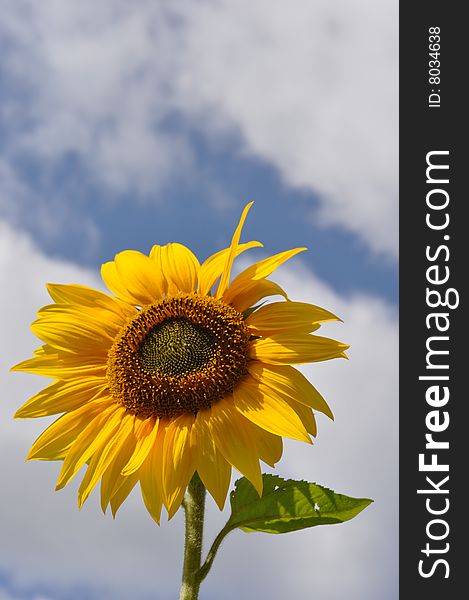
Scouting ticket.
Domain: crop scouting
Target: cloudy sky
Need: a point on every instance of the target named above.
(126, 123)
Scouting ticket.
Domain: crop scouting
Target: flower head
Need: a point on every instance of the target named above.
(180, 371)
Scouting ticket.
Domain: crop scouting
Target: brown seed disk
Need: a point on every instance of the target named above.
(178, 356)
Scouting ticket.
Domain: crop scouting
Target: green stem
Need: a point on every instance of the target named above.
(194, 505)
(205, 568)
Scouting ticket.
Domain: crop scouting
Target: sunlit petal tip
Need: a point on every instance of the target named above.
(50, 288)
(226, 273)
(30, 456)
(172, 511)
(82, 500)
(220, 502)
(155, 250)
(17, 367)
(106, 267)
(114, 511)
(258, 485)
(343, 348)
(156, 520)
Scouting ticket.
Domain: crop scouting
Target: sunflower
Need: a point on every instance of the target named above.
(178, 372)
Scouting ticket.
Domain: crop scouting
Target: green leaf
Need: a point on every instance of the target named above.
(288, 505)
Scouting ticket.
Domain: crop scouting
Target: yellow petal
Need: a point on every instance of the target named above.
(260, 270)
(269, 446)
(103, 457)
(140, 275)
(100, 319)
(213, 267)
(290, 383)
(212, 468)
(180, 268)
(256, 291)
(150, 473)
(62, 365)
(55, 441)
(287, 349)
(306, 415)
(234, 439)
(81, 295)
(155, 255)
(134, 278)
(178, 461)
(120, 495)
(41, 351)
(112, 478)
(93, 437)
(113, 282)
(268, 410)
(280, 317)
(225, 277)
(62, 396)
(68, 335)
(146, 437)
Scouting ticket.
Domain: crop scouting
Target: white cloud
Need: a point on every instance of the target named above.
(308, 87)
(96, 87)
(53, 547)
(313, 88)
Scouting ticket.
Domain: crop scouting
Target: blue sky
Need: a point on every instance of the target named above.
(133, 123)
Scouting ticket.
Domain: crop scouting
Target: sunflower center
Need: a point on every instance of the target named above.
(176, 347)
(180, 355)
